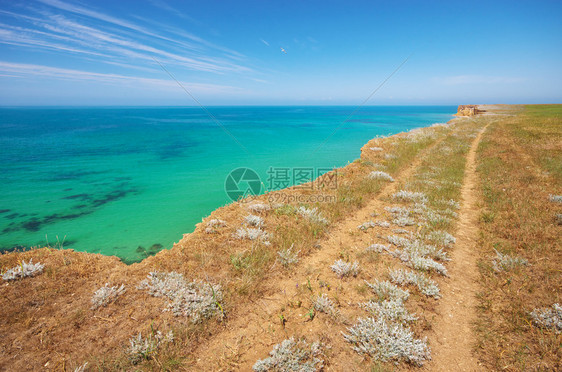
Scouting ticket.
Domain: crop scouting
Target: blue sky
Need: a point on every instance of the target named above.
(68, 52)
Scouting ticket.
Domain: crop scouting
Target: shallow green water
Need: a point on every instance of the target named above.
(115, 179)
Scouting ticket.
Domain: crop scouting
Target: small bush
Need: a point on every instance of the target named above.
(548, 318)
(410, 196)
(23, 270)
(379, 248)
(385, 341)
(291, 355)
(402, 231)
(324, 305)
(503, 262)
(416, 248)
(144, 348)
(391, 310)
(426, 286)
(253, 233)
(287, 257)
(555, 198)
(312, 214)
(404, 221)
(366, 225)
(213, 224)
(195, 300)
(441, 238)
(106, 294)
(385, 290)
(342, 268)
(399, 211)
(380, 175)
(253, 220)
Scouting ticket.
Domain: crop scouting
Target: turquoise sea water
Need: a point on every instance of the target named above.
(115, 179)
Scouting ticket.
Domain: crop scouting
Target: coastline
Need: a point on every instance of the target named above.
(199, 254)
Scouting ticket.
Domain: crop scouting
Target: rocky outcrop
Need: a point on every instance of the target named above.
(468, 110)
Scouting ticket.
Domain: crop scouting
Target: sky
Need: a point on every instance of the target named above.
(142, 52)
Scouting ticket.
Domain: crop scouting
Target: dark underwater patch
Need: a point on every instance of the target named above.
(151, 251)
(74, 175)
(78, 196)
(34, 224)
(14, 248)
(4, 211)
(173, 149)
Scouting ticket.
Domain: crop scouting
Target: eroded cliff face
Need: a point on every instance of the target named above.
(468, 110)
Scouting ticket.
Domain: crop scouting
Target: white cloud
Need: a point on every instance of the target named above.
(265, 42)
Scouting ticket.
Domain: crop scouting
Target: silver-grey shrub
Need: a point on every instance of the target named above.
(213, 224)
(287, 257)
(385, 341)
(417, 248)
(143, 348)
(253, 220)
(366, 225)
(378, 248)
(312, 214)
(404, 221)
(555, 198)
(391, 310)
(291, 355)
(410, 196)
(425, 264)
(324, 305)
(380, 175)
(342, 268)
(548, 318)
(23, 270)
(106, 294)
(504, 262)
(385, 290)
(195, 300)
(426, 286)
(441, 238)
(370, 224)
(253, 233)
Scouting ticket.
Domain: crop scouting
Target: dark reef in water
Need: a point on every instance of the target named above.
(142, 253)
(90, 203)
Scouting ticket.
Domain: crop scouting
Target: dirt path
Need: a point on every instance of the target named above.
(453, 330)
(256, 328)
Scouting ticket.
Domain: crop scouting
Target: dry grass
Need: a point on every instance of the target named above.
(520, 161)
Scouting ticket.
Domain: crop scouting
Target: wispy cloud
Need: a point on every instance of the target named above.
(22, 70)
(265, 42)
(117, 40)
(167, 7)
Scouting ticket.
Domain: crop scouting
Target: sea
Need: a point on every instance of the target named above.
(130, 181)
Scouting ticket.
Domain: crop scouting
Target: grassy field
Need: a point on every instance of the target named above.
(520, 166)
